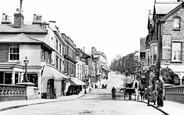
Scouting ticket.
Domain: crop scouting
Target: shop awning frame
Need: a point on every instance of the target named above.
(76, 81)
(52, 73)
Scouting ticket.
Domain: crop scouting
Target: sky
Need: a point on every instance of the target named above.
(111, 26)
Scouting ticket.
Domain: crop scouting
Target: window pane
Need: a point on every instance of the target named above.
(176, 51)
(14, 53)
(176, 22)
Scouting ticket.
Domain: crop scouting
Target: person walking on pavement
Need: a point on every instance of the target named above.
(160, 89)
(141, 90)
(113, 91)
(136, 87)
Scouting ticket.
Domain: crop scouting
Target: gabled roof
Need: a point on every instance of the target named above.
(19, 38)
(172, 12)
(4, 28)
(165, 7)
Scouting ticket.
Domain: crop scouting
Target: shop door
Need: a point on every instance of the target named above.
(50, 89)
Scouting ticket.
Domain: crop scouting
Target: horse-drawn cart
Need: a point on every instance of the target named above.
(129, 90)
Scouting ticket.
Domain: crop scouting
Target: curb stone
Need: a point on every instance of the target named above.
(165, 113)
(36, 103)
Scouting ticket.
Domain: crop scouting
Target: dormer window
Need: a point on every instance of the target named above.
(177, 23)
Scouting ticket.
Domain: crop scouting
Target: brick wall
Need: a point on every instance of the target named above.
(168, 26)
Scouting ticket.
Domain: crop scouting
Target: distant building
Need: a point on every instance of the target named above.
(101, 69)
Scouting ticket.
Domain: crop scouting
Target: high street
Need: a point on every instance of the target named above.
(96, 102)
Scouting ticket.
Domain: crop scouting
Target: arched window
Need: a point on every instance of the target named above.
(177, 22)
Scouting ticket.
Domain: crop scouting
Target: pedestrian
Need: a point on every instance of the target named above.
(54, 93)
(149, 91)
(136, 90)
(113, 91)
(141, 90)
(160, 89)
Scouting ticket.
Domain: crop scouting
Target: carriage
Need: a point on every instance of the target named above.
(128, 89)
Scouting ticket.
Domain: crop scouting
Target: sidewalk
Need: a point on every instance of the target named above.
(170, 108)
(21, 103)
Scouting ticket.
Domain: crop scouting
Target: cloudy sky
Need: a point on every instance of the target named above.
(112, 26)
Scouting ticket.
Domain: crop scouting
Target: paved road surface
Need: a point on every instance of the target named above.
(97, 102)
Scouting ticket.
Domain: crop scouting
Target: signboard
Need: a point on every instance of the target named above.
(166, 46)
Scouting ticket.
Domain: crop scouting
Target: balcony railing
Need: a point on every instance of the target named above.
(175, 93)
(12, 92)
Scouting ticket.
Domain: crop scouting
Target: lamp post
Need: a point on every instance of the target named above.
(158, 68)
(26, 61)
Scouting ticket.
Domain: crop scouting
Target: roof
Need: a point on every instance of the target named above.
(172, 12)
(19, 38)
(9, 28)
(165, 7)
(22, 38)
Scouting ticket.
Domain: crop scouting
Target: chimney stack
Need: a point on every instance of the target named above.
(18, 17)
(84, 49)
(5, 19)
(18, 20)
(37, 19)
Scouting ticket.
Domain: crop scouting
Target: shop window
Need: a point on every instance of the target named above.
(14, 53)
(8, 78)
(176, 51)
(33, 78)
(1, 78)
(177, 22)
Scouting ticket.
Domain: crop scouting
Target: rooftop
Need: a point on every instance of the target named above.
(165, 7)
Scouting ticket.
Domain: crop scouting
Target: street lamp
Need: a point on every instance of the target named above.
(26, 61)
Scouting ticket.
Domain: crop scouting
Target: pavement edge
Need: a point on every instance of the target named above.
(36, 103)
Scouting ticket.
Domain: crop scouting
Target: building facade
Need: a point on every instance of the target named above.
(69, 56)
(19, 40)
(164, 41)
(101, 69)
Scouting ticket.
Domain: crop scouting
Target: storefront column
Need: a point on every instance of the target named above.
(13, 77)
(39, 84)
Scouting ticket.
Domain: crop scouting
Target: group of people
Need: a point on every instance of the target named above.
(154, 93)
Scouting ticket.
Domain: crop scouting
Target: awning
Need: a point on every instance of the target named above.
(175, 68)
(53, 73)
(50, 73)
(105, 68)
(76, 81)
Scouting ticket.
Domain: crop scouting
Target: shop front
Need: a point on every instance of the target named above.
(76, 86)
(52, 82)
